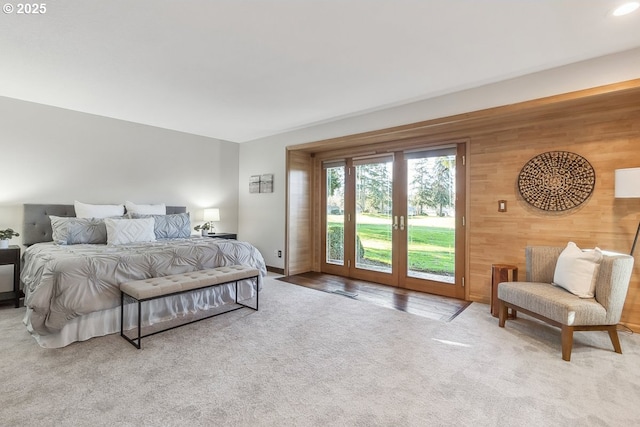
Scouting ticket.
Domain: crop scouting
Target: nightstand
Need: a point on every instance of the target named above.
(8, 256)
(230, 236)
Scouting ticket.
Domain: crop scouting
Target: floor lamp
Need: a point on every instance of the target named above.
(628, 186)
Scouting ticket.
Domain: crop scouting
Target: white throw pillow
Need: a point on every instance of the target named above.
(84, 210)
(132, 208)
(577, 270)
(122, 231)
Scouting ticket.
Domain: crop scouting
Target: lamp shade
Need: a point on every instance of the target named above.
(212, 214)
(627, 183)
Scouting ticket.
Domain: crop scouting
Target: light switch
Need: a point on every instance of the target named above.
(502, 205)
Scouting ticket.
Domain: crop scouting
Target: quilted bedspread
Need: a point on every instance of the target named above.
(62, 282)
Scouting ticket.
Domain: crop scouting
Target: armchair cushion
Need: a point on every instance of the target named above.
(553, 303)
(577, 270)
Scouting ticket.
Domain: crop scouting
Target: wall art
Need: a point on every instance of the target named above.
(261, 183)
(556, 181)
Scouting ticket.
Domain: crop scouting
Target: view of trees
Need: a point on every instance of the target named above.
(432, 184)
(374, 188)
(335, 190)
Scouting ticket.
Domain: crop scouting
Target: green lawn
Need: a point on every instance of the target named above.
(431, 245)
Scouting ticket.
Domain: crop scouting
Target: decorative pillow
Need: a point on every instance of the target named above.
(132, 208)
(170, 226)
(73, 231)
(121, 231)
(84, 210)
(577, 270)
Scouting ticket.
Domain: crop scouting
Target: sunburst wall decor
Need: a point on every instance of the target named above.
(556, 181)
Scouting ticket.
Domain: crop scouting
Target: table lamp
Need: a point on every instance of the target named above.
(211, 215)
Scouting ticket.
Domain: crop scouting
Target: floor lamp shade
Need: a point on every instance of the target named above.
(628, 186)
(627, 183)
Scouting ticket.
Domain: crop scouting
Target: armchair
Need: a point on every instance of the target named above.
(538, 298)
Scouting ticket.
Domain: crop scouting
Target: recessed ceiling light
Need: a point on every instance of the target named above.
(626, 8)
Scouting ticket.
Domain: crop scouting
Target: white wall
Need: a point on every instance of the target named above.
(52, 155)
(263, 217)
(269, 154)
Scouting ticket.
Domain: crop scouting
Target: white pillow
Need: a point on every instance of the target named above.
(577, 270)
(84, 210)
(121, 231)
(132, 208)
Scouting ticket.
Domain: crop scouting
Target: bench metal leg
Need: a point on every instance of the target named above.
(121, 314)
(257, 295)
(122, 334)
(139, 323)
(137, 342)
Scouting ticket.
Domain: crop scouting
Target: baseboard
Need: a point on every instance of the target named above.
(275, 270)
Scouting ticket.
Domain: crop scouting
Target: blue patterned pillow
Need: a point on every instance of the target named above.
(169, 226)
(74, 231)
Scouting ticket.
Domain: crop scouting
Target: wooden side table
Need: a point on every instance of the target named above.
(501, 273)
(8, 256)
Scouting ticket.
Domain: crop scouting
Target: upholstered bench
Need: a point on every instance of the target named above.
(160, 287)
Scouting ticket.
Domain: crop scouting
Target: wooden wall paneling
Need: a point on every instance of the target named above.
(299, 245)
(608, 140)
(600, 124)
(491, 118)
(316, 223)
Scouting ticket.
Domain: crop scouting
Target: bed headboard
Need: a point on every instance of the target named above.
(37, 225)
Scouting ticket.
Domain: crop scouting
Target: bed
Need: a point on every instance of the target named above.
(72, 290)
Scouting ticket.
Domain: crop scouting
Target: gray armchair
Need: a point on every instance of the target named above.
(538, 298)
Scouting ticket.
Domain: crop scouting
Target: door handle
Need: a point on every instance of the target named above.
(401, 222)
(395, 222)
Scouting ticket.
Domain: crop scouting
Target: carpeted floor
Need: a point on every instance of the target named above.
(295, 362)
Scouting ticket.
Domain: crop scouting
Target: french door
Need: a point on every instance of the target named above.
(397, 219)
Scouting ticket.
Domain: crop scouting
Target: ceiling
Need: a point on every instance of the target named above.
(239, 70)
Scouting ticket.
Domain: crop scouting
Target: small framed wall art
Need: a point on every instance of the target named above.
(254, 184)
(266, 183)
(261, 183)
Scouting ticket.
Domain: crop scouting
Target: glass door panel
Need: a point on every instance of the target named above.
(431, 231)
(397, 219)
(335, 186)
(373, 226)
